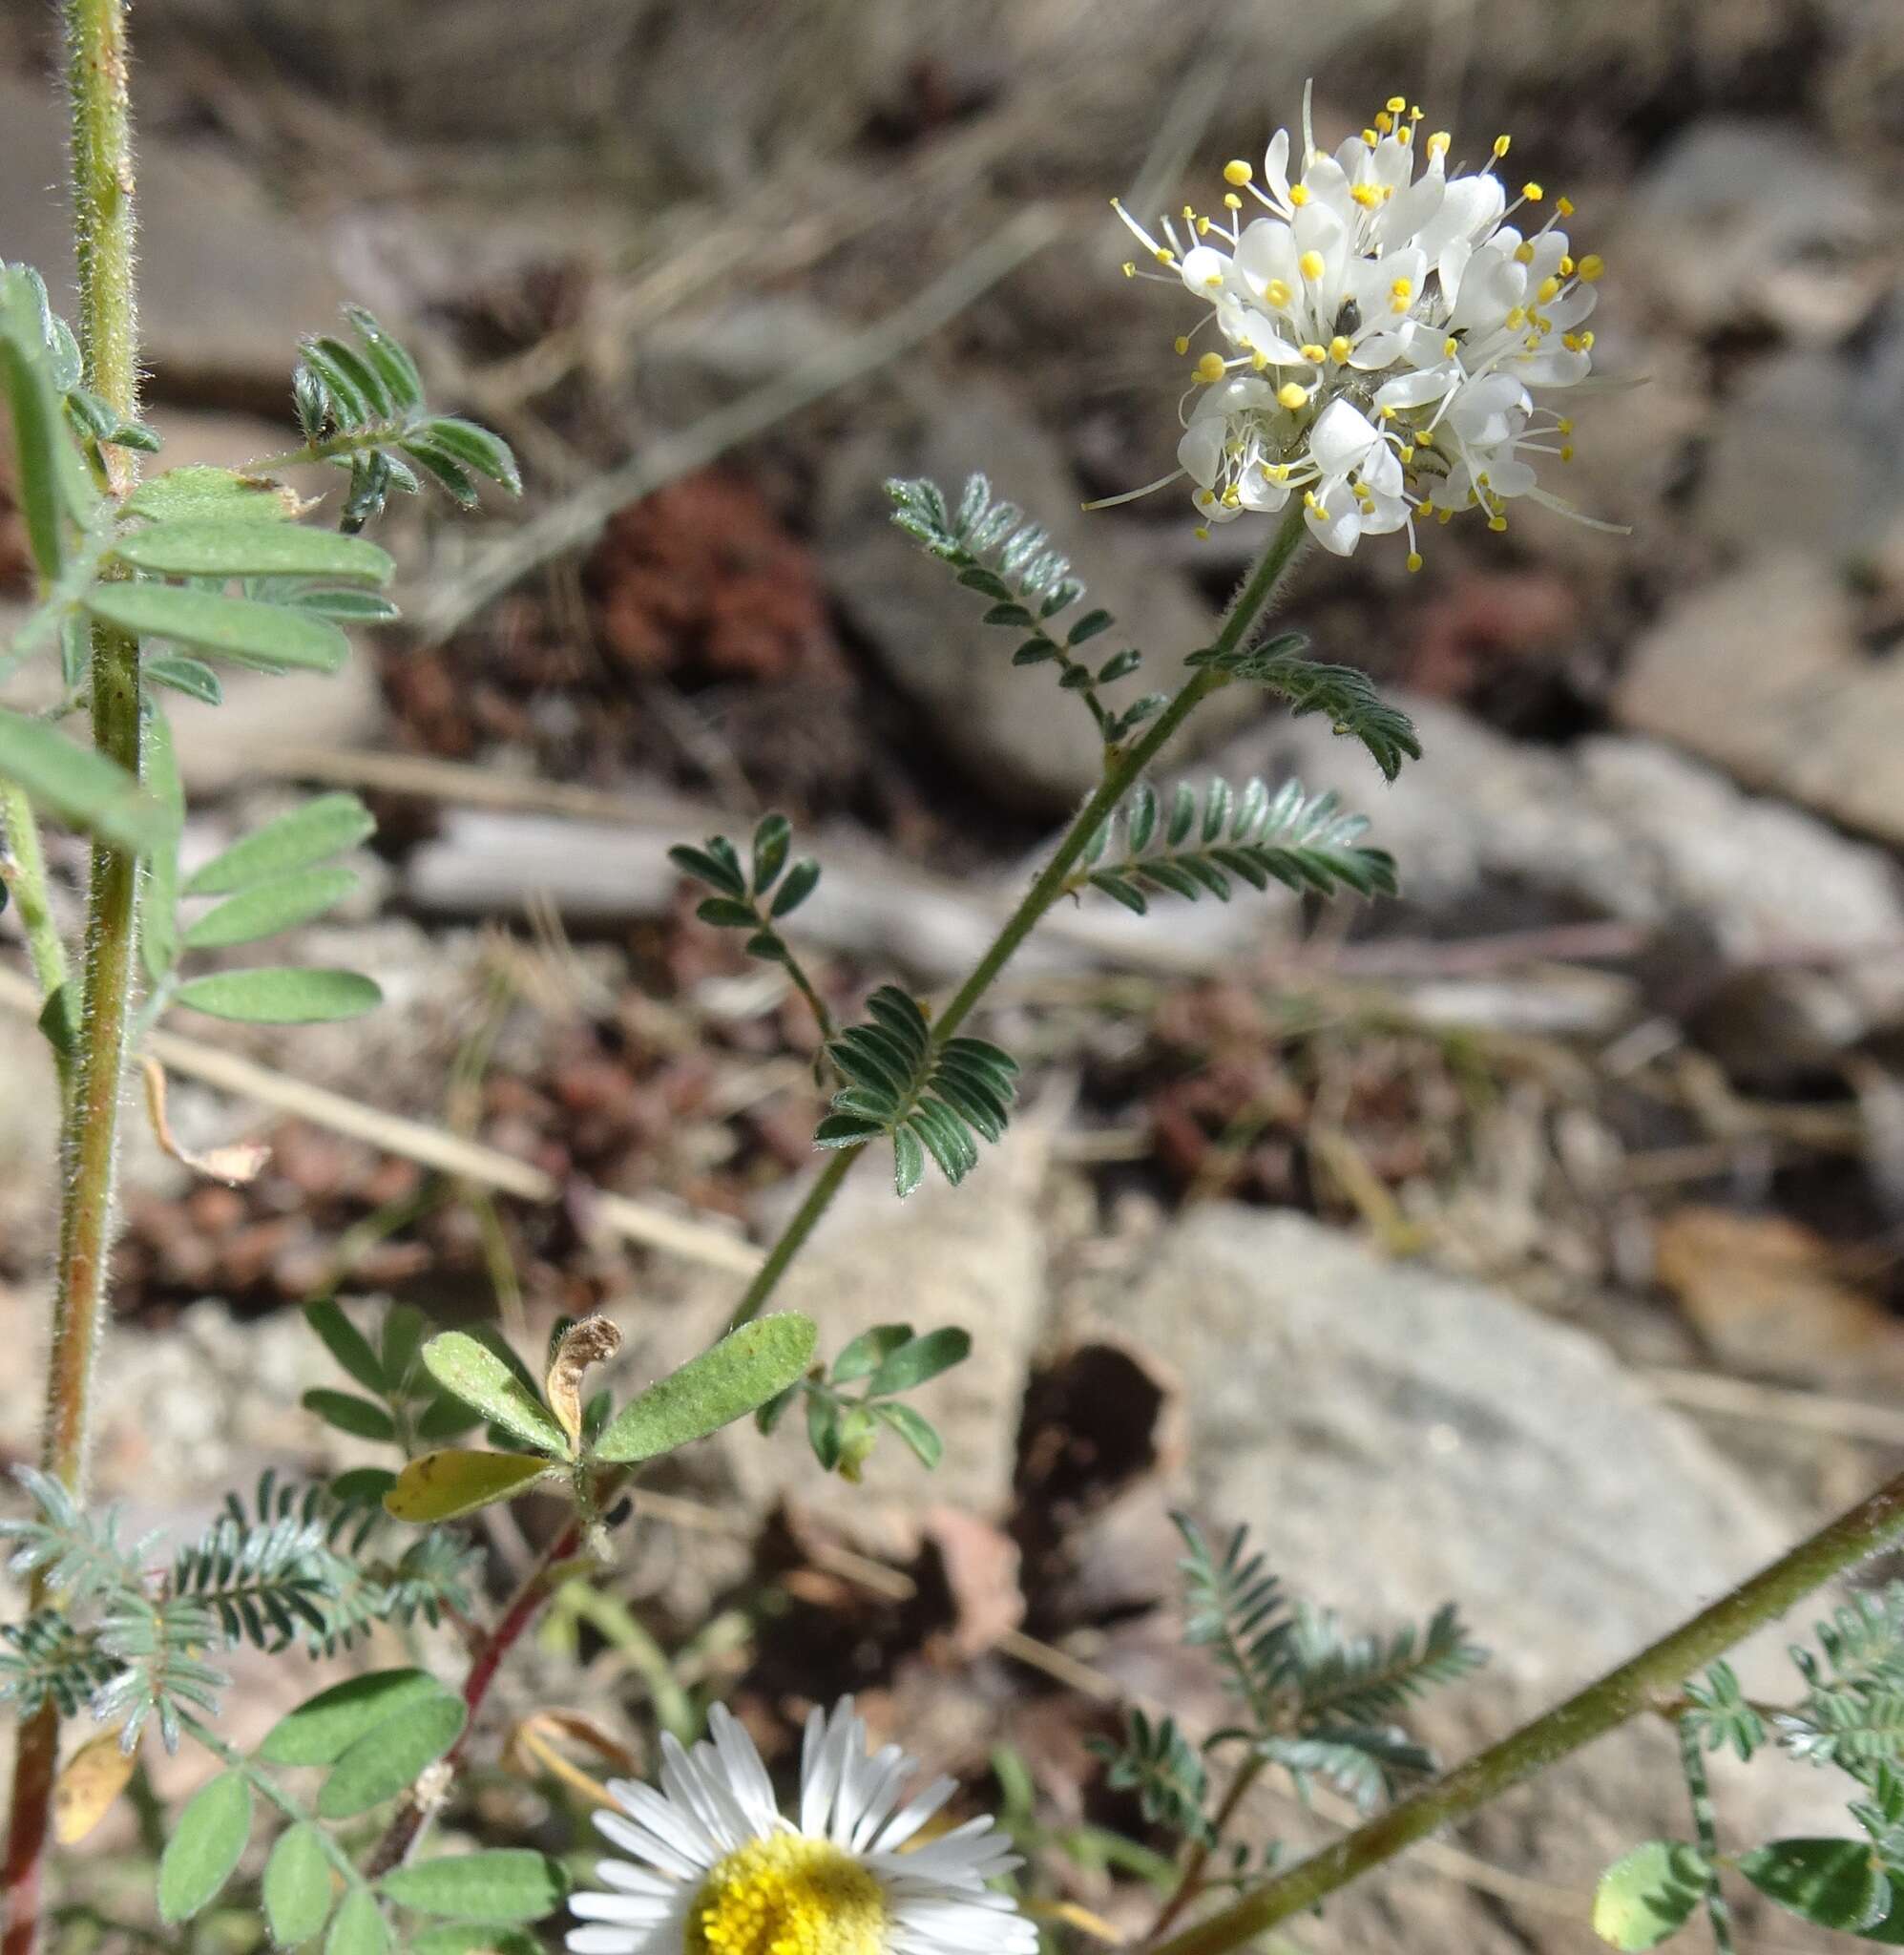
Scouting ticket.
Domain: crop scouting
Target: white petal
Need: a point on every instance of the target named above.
(1340, 530)
(747, 1776)
(1415, 389)
(1260, 492)
(1199, 455)
(914, 1813)
(605, 1941)
(1341, 435)
(1204, 269)
(1276, 166)
(627, 1909)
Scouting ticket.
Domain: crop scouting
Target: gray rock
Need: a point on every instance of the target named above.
(1507, 835)
(1011, 726)
(226, 282)
(1395, 1439)
(1777, 226)
(1763, 673)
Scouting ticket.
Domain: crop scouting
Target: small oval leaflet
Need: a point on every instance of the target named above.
(360, 1927)
(242, 629)
(742, 1372)
(313, 833)
(503, 1885)
(199, 1857)
(1649, 1893)
(454, 1481)
(78, 785)
(1838, 1883)
(199, 547)
(297, 1886)
(475, 1375)
(281, 995)
(386, 1759)
(268, 907)
(319, 1730)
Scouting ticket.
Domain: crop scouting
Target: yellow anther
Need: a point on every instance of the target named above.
(1237, 171)
(1405, 454)
(1397, 304)
(1568, 452)
(1310, 266)
(1231, 200)
(1496, 522)
(1502, 144)
(1164, 255)
(1414, 560)
(1259, 361)
(1566, 267)
(1437, 144)
(1206, 497)
(1203, 229)
(1384, 121)
(787, 1895)
(1189, 215)
(1444, 515)
(1210, 368)
(1310, 502)
(1516, 318)
(1403, 289)
(1571, 341)
(1314, 353)
(1232, 497)
(1202, 535)
(1277, 294)
(1533, 192)
(1130, 269)
(1587, 342)
(1591, 266)
(1426, 438)
(1405, 135)
(1340, 348)
(1395, 104)
(1386, 414)
(1366, 195)
(1291, 395)
(1563, 425)
(1370, 137)
(1451, 345)
(1548, 290)
(1279, 473)
(1181, 344)
(1564, 205)
(1299, 194)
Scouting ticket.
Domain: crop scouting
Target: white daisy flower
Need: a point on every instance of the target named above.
(1381, 335)
(715, 1868)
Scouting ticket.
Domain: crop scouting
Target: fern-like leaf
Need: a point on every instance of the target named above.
(1358, 1679)
(930, 1100)
(1237, 1610)
(78, 1555)
(1161, 1766)
(1194, 847)
(1364, 1763)
(1720, 1714)
(1012, 561)
(1345, 694)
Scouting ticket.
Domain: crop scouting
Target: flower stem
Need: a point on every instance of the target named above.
(102, 209)
(1123, 767)
(1636, 1686)
(1196, 1865)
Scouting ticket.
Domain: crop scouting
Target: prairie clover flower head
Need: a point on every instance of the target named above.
(1376, 334)
(715, 1869)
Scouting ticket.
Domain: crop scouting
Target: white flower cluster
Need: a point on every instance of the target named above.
(1383, 332)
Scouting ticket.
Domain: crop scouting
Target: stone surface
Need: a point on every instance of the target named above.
(1395, 1439)
(1012, 727)
(226, 282)
(1763, 673)
(1502, 835)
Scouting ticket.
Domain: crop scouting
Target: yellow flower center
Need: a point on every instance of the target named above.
(787, 1895)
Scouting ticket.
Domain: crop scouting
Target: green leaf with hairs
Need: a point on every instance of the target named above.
(454, 1481)
(80, 786)
(474, 1374)
(502, 1885)
(206, 547)
(272, 637)
(311, 833)
(281, 995)
(740, 1373)
(204, 1848)
(1649, 1893)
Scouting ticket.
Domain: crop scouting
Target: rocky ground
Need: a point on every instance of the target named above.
(1532, 1240)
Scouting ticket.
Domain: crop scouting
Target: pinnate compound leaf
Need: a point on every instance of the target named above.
(1649, 1893)
(323, 1728)
(739, 1373)
(267, 908)
(80, 786)
(386, 1759)
(204, 1848)
(281, 995)
(297, 1886)
(456, 1480)
(1837, 1884)
(346, 1343)
(502, 1885)
(203, 547)
(468, 1369)
(360, 1927)
(919, 1358)
(313, 833)
(272, 637)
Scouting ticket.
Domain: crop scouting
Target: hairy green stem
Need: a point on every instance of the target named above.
(1705, 1832)
(1123, 766)
(102, 211)
(1639, 1686)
